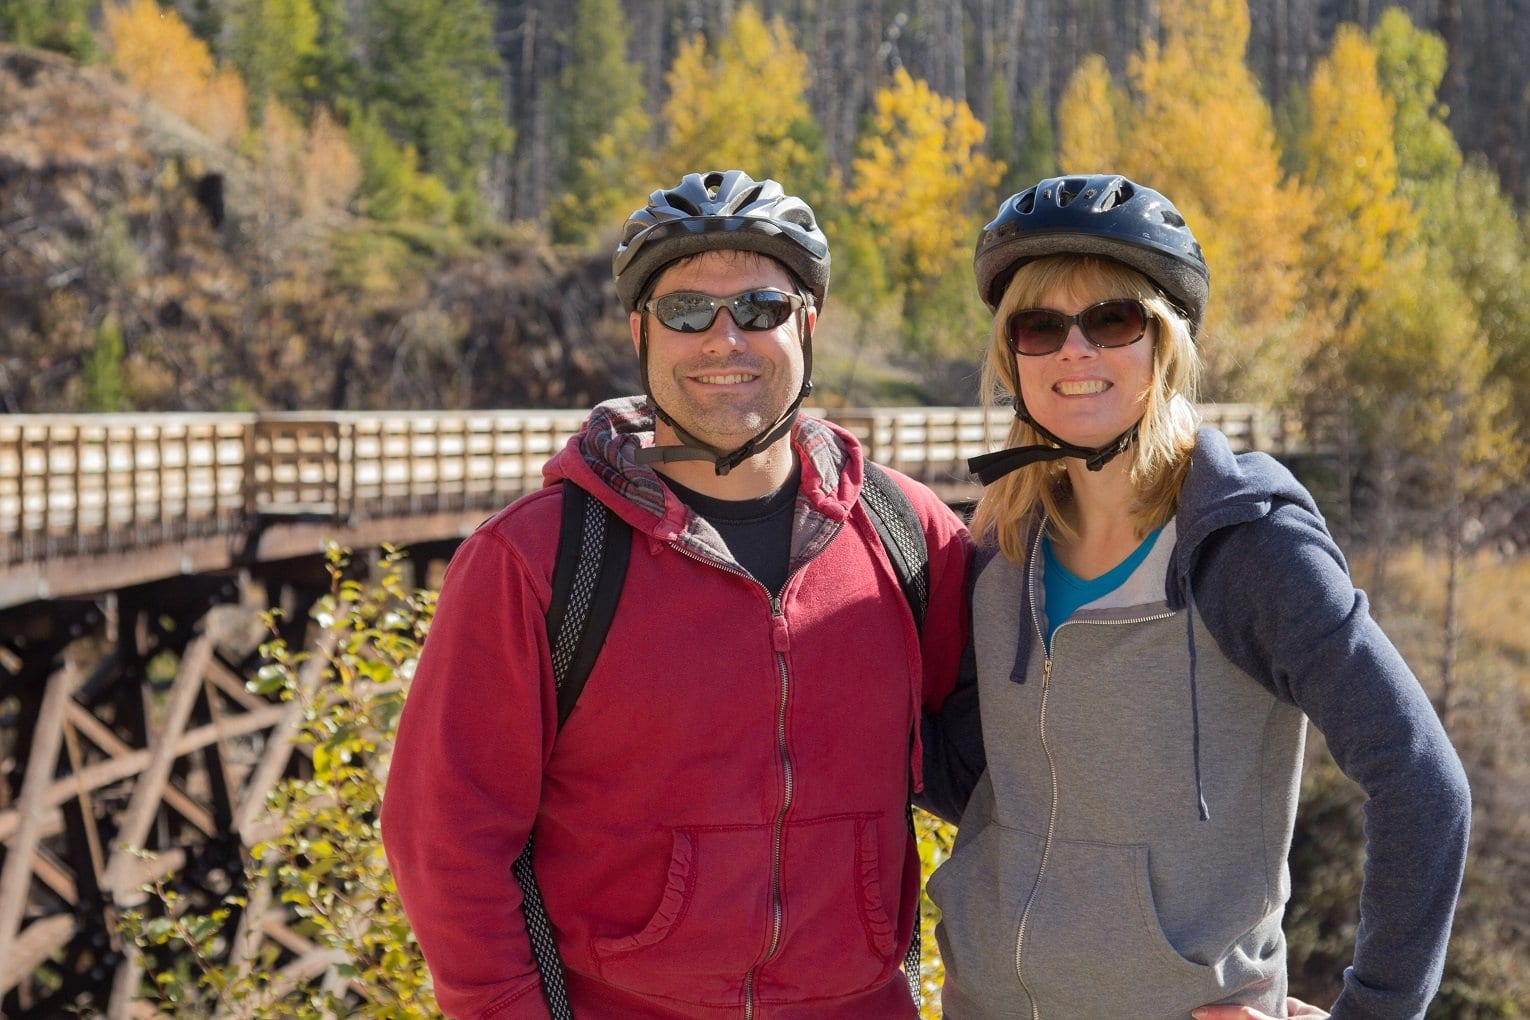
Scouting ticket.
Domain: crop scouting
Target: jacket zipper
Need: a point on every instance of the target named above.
(776, 917)
(1046, 748)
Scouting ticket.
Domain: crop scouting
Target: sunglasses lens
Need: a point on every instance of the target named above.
(686, 312)
(1037, 331)
(760, 309)
(1113, 323)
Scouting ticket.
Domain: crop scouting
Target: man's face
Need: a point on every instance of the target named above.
(725, 384)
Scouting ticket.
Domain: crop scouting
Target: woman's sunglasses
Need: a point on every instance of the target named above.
(688, 311)
(1119, 322)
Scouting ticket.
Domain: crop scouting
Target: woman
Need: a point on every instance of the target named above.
(1154, 620)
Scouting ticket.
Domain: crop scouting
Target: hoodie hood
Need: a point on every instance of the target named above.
(1223, 489)
(602, 459)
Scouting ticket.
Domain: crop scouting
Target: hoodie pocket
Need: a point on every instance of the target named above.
(713, 923)
(704, 934)
(1092, 944)
(981, 892)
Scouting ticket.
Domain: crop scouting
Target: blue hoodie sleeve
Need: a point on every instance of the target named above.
(953, 746)
(1279, 598)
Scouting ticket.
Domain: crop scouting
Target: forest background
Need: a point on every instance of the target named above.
(282, 204)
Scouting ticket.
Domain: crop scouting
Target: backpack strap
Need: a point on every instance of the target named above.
(593, 549)
(902, 536)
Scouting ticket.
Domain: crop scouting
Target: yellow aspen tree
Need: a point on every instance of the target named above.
(1090, 114)
(158, 55)
(1349, 165)
(921, 176)
(741, 106)
(921, 184)
(1201, 131)
(331, 169)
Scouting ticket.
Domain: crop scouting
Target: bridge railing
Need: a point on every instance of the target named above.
(75, 485)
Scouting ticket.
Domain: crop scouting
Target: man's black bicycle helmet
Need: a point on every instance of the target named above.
(1095, 214)
(723, 209)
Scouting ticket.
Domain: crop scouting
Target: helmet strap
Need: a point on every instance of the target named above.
(990, 467)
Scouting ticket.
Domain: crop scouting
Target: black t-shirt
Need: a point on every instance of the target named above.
(758, 531)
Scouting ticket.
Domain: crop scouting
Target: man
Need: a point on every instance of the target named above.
(720, 825)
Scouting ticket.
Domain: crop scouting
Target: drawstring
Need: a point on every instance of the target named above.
(1195, 708)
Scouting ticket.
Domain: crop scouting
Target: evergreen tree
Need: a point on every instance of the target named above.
(1038, 152)
(102, 371)
(599, 110)
(61, 25)
(271, 42)
(1029, 154)
(1004, 135)
(432, 79)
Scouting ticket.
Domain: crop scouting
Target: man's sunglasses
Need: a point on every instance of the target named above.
(1119, 322)
(689, 311)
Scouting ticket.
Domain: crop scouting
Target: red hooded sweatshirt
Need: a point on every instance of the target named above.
(720, 824)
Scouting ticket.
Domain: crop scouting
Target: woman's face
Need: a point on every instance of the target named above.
(1083, 394)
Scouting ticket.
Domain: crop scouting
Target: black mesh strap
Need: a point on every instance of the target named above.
(903, 538)
(587, 579)
(544, 948)
(913, 960)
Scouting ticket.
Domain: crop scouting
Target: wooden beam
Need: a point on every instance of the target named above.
(138, 819)
(16, 878)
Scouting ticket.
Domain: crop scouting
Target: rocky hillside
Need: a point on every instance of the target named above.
(144, 268)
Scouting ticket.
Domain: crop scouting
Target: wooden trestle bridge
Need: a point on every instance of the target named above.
(136, 551)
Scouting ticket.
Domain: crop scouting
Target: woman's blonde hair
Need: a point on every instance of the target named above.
(1160, 455)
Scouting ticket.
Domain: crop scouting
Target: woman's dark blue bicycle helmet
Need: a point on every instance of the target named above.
(1095, 214)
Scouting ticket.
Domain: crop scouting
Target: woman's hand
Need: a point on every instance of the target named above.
(1294, 1008)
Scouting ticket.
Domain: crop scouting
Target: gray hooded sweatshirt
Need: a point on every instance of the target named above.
(1124, 851)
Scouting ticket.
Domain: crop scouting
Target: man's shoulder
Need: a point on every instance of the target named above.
(532, 519)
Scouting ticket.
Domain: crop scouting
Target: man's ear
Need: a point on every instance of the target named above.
(635, 325)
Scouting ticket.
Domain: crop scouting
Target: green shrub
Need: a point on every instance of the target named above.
(324, 860)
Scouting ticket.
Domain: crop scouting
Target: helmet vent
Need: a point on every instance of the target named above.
(1025, 202)
(1118, 194)
(1172, 218)
(1066, 193)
